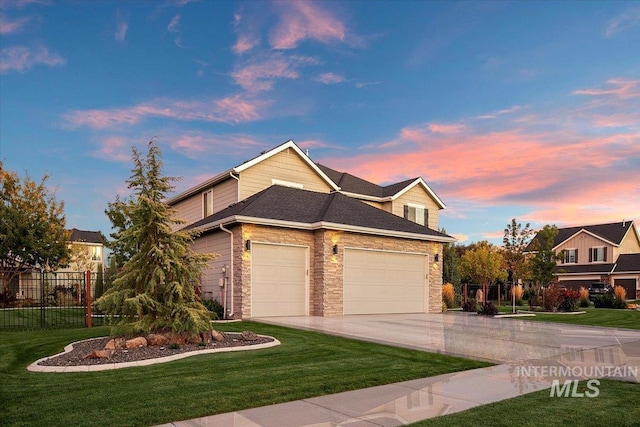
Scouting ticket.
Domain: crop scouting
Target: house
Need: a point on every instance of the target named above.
(608, 253)
(298, 238)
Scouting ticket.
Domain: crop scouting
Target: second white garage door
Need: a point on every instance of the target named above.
(278, 280)
(384, 282)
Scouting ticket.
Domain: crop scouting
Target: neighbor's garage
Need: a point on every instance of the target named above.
(278, 280)
(629, 285)
(384, 282)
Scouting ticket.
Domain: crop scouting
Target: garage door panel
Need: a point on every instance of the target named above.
(279, 280)
(383, 282)
(629, 285)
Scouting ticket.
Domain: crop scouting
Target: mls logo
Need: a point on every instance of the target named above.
(570, 389)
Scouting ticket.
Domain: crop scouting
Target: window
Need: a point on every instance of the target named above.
(570, 256)
(598, 254)
(207, 203)
(416, 213)
(96, 253)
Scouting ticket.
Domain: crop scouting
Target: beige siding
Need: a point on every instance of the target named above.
(374, 204)
(583, 242)
(285, 166)
(218, 243)
(630, 245)
(189, 210)
(225, 194)
(417, 195)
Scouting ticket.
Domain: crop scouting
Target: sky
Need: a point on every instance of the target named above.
(526, 110)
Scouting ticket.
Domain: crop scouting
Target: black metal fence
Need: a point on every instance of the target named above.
(48, 300)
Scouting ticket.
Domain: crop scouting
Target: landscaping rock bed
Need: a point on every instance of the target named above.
(81, 353)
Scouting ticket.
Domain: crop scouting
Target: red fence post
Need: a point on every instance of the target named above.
(88, 297)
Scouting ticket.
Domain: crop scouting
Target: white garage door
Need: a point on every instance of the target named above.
(278, 280)
(384, 282)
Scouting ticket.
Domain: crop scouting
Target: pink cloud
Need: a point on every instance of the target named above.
(173, 25)
(114, 149)
(261, 76)
(301, 20)
(622, 88)
(330, 78)
(10, 27)
(444, 128)
(235, 109)
(244, 44)
(498, 113)
(624, 22)
(22, 59)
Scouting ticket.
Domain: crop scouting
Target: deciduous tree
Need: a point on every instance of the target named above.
(545, 260)
(32, 227)
(483, 264)
(515, 241)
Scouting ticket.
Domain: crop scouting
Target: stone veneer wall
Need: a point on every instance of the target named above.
(326, 270)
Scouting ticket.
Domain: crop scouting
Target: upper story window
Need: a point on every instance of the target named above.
(207, 203)
(96, 253)
(416, 213)
(598, 254)
(570, 256)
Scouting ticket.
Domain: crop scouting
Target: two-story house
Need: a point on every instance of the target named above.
(608, 253)
(298, 238)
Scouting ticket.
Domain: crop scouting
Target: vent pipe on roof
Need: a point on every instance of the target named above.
(306, 152)
(624, 222)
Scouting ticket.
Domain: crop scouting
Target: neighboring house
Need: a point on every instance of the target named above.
(608, 253)
(87, 253)
(298, 238)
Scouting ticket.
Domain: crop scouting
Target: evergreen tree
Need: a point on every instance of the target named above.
(155, 289)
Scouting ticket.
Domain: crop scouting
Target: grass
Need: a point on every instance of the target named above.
(49, 317)
(607, 317)
(617, 404)
(307, 364)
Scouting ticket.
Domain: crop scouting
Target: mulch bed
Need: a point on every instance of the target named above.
(76, 357)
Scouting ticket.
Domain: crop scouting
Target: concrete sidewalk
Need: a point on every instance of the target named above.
(531, 355)
(389, 405)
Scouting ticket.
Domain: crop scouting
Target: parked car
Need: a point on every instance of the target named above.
(599, 288)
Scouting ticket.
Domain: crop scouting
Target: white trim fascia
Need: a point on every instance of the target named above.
(322, 224)
(276, 150)
(426, 187)
(366, 197)
(589, 233)
(199, 187)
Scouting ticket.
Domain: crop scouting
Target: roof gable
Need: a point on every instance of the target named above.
(628, 263)
(84, 236)
(613, 233)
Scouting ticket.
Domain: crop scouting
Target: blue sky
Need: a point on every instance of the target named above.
(507, 109)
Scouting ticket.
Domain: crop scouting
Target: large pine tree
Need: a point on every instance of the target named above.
(155, 290)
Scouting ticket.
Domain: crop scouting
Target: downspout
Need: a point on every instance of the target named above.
(227, 315)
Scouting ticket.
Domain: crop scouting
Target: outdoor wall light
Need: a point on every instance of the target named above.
(247, 245)
(437, 257)
(335, 249)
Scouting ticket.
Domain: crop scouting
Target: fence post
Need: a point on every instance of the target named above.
(88, 296)
(43, 299)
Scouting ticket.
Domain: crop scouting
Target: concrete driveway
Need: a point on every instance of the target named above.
(504, 341)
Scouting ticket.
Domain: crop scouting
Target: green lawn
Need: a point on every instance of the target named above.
(618, 404)
(594, 317)
(50, 317)
(306, 364)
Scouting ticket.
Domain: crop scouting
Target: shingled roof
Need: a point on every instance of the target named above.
(85, 236)
(613, 232)
(352, 184)
(312, 208)
(628, 263)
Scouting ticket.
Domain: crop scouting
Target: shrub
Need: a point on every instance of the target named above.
(584, 297)
(518, 292)
(488, 309)
(570, 300)
(620, 293)
(471, 305)
(444, 307)
(553, 297)
(604, 301)
(448, 295)
(214, 306)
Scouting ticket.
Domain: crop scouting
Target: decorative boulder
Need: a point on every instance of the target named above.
(191, 338)
(248, 336)
(174, 338)
(115, 344)
(217, 335)
(99, 354)
(157, 339)
(136, 342)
